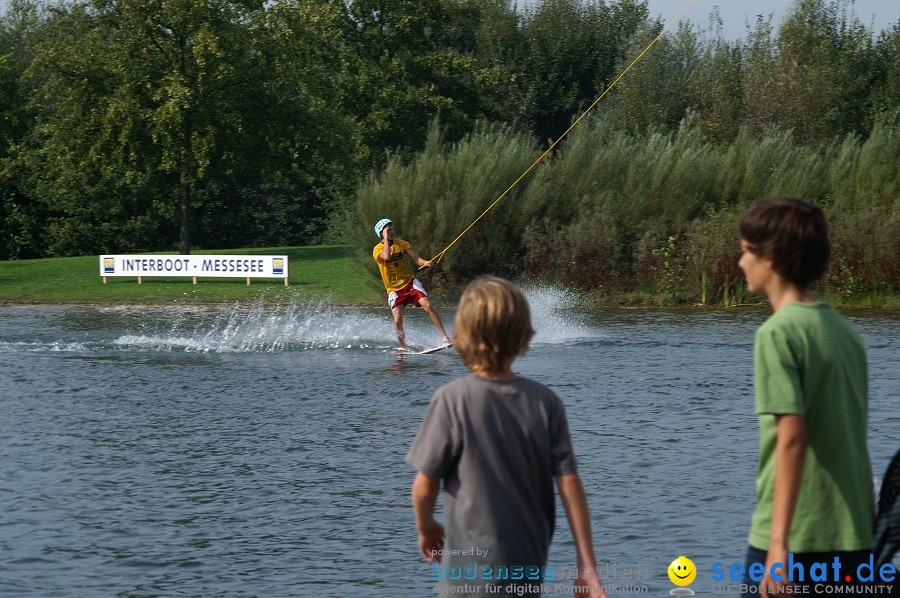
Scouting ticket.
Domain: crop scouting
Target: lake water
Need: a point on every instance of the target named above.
(243, 451)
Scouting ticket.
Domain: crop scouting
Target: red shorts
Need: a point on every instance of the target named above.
(411, 294)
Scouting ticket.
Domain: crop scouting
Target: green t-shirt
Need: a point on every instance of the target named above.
(810, 361)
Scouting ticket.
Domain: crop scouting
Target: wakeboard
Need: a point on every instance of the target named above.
(399, 351)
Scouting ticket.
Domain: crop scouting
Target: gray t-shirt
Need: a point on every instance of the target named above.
(496, 445)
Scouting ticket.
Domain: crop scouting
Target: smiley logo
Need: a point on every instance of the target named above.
(682, 571)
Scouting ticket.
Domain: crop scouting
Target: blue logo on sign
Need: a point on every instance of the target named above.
(278, 265)
(109, 265)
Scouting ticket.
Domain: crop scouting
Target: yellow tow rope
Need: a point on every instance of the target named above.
(437, 258)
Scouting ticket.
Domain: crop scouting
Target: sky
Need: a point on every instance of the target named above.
(882, 14)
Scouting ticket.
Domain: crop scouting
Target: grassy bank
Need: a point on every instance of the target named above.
(330, 274)
(327, 273)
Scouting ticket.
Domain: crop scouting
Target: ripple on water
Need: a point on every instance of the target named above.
(242, 451)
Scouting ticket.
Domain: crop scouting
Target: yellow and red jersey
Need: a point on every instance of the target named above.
(396, 272)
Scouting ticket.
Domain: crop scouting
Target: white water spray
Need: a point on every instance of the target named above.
(554, 318)
(261, 328)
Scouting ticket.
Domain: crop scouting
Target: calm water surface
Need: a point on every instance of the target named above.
(242, 451)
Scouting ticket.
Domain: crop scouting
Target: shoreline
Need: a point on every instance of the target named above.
(331, 275)
(100, 303)
(452, 305)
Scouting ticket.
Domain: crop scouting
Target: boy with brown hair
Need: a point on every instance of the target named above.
(814, 482)
(496, 441)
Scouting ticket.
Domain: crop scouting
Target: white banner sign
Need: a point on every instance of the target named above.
(221, 266)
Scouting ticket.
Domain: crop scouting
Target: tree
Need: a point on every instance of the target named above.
(825, 71)
(144, 108)
(311, 165)
(568, 53)
(714, 86)
(21, 218)
(406, 66)
(886, 96)
(654, 93)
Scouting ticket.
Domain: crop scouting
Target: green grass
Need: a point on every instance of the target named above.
(330, 274)
(324, 274)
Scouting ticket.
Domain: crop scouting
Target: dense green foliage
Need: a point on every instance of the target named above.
(653, 211)
(163, 124)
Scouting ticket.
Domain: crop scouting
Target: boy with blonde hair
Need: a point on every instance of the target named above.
(496, 441)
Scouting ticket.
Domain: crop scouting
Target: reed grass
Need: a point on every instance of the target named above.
(615, 211)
